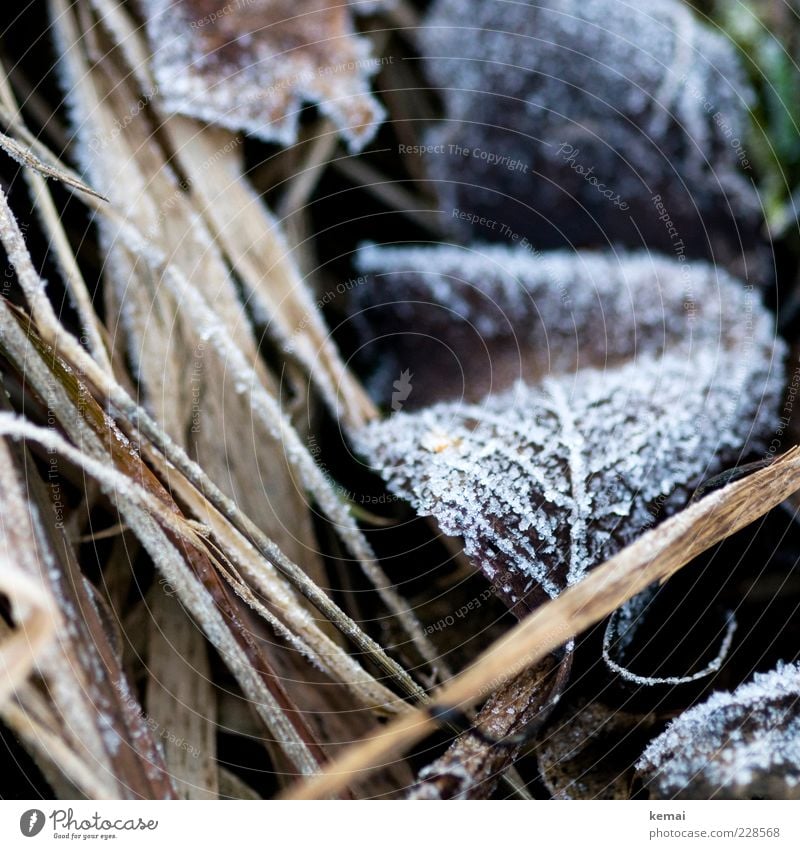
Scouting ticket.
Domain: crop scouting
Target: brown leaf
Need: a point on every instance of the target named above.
(252, 66)
(740, 745)
(629, 633)
(614, 385)
(589, 123)
(655, 556)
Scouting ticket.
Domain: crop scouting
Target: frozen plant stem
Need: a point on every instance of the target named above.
(46, 209)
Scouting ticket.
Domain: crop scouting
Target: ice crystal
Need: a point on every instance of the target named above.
(252, 65)
(743, 744)
(577, 415)
(589, 123)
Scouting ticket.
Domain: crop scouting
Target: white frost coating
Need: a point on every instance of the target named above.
(253, 66)
(621, 632)
(548, 303)
(733, 742)
(654, 61)
(323, 653)
(426, 789)
(545, 479)
(296, 453)
(192, 594)
(116, 485)
(211, 328)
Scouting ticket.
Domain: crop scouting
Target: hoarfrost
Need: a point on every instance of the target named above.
(621, 633)
(617, 404)
(252, 66)
(743, 744)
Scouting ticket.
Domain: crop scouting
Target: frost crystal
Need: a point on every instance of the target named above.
(743, 744)
(589, 123)
(578, 414)
(619, 642)
(252, 65)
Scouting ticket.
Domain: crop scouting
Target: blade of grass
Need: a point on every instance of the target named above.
(28, 159)
(51, 221)
(173, 545)
(104, 729)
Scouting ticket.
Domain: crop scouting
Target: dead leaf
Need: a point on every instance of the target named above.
(589, 123)
(253, 66)
(615, 385)
(623, 642)
(739, 745)
(590, 753)
(656, 555)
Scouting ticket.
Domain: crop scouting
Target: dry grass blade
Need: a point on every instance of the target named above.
(63, 767)
(392, 193)
(251, 239)
(140, 423)
(171, 540)
(176, 548)
(181, 698)
(34, 613)
(321, 147)
(27, 158)
(472, 766)
(51, 221)
(36, 146)
(98, 718)
(211, 156)
(655, 556)
(174, 545)
(300, 630)
(255, 247)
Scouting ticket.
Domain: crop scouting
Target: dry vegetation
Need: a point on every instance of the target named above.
(229, 570)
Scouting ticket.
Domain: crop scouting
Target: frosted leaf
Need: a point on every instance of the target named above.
(580, 117)
(252, 65)
(571, 424)
(475, 319)
(744, 744)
